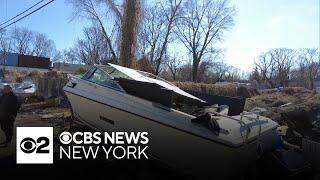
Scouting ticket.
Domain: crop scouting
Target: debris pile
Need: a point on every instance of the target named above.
(296, 107)
(44, 113)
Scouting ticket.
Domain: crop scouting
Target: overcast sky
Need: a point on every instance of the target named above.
(259, 25)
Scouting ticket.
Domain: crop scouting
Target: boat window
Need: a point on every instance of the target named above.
(89, 73)
(115, 73)
(100, 77)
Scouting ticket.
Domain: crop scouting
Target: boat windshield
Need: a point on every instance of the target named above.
(114, 72)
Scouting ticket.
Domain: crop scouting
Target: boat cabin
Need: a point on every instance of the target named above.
(143, 85)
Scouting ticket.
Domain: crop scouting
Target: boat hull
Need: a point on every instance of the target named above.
(180, 149)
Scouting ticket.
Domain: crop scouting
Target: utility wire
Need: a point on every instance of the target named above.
(22, 13)
(27, 14)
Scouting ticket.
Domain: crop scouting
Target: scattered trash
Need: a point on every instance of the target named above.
(284, 105)
(223, 109)
(258, 110)
(295, 107)
(40, 105)
(23, 88)
(55, 115)
(282, 130)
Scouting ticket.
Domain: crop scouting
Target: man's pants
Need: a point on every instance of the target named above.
(7, 128)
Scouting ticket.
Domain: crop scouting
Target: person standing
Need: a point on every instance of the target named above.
(9, 106)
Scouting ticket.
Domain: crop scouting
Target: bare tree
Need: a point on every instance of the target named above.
(233, 74)
(5, 41)
(27, 42)
(185, 72)
(130, 19)
(284, 59)
(266, 68)
(174, 64)
(89, 9)
(41, 45)
(220, 70)
(115, 8)
(150, 35)
(204, 73)
(155, 34)
(5, 46)
(21, 40)
(202, 25)
(170, 14)
(92, 48)
(126, 20)
(275, 66)
(57, 57)
(143, 64)
(70, 56)
(308, 66)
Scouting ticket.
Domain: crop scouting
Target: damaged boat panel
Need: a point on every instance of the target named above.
(248, 129)
(141, 76)
(24, 88)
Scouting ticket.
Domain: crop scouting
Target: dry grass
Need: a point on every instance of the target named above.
(34, 73)
(16, 75)
(269, 100)
(211, 89)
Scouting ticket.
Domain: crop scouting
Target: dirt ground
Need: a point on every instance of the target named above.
(49, 114)
(53, 117)
(60, 118)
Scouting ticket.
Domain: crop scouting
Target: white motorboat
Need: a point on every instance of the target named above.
(115, 98)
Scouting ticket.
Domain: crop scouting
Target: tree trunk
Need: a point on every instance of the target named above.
(113, 54)
(270, 83)
(311, 82)
(195, 66)
(129, 33)
(158, 67)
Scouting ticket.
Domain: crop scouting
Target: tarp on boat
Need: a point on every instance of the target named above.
(143, 77)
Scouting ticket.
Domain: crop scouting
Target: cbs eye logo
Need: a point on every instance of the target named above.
(29, 145)
(34, 145)
(65, 137)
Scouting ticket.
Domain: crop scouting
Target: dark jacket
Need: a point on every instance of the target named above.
(9, 106)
